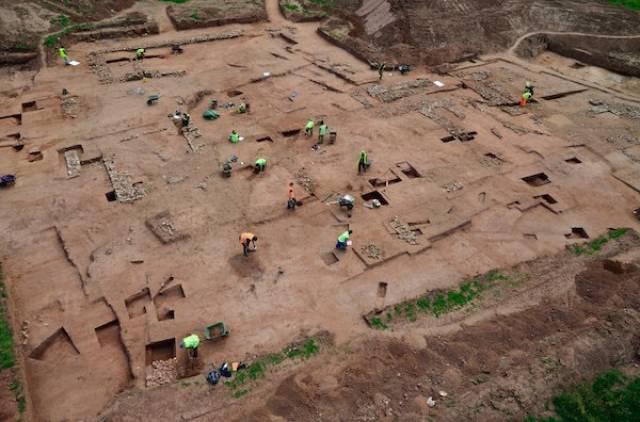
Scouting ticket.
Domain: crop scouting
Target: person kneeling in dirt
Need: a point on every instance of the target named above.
(363, 162)
(527, 94)
(404, 69)
(343, 239)
(246, 239)
(186, 119)
(191, 343)
(347, 201)
(261, 165)
(140, 54)
(234, 137)
(243, 108)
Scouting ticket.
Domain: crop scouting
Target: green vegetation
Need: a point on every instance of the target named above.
(610, 397)
(258, 368)
(194, 15)
(438, 304)
(60, 21)
(378, 324)
(7, 357)
(596, 245)
(16, 387)
(52, 40)
(293, 7)
(631, 4)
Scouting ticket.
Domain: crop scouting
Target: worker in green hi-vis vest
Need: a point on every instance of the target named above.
(191, 343)
(343, 239)
(323, 131)
(234, 138)
(308, 129)
(261, 165)
(363, 162)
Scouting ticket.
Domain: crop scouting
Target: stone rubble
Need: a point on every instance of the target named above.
(125, 191)
(372, 251)
(397, 90)
(162, 372)
(403, 231)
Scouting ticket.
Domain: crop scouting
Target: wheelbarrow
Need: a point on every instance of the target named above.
(215, 331)
(153, 99)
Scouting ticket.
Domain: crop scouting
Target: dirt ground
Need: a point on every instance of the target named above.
(120, 236)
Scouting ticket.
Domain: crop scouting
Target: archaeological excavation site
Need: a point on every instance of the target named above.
(319, 210)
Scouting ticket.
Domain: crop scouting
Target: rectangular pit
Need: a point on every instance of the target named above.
(118, 60)
(10, 120)
(329, 258)
(234, 93)
(264, 139)
(577, 233)
(547, 198)
(408, 170)
(382, 289)
(291, 132)
(29, 106)
(370, 196)
(137, 303)
(55, 347)
(160, 350)
(111, 196)
(376, 182)
(573, 160)
(109, 333)
(166, 300)
(537, 179)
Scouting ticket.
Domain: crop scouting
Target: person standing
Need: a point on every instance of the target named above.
(291, 198)
(381, 70)
(246, 239)
(140, 54)
(322, 131)
(363, 162)
(63, 54)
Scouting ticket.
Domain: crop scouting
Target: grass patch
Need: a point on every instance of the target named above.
(597, 244)
(258, 368)
(293, 7)
(378, 324)
(631, 4)
(16, 387)
(53, 40)
(194, 15)
(60, 21)
(439, 303)
(612, 396)
(7, 356)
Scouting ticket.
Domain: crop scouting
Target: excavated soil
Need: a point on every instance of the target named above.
(435, 32)
(204, 13)
(475, 365)
(126, 234)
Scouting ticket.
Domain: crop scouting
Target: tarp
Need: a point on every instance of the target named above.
(210, 115)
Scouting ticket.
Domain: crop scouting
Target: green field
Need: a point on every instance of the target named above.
(631, 4)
